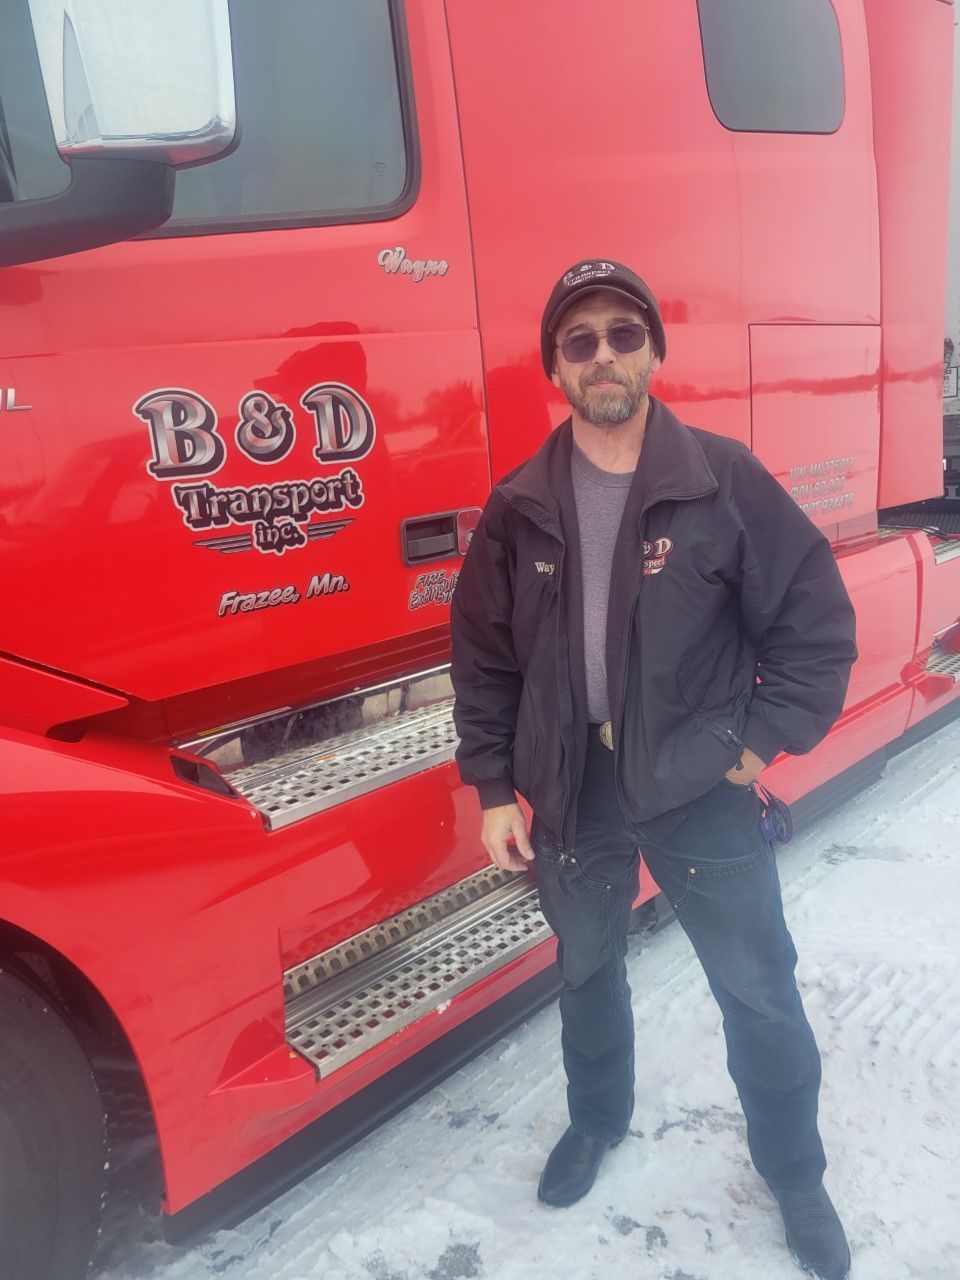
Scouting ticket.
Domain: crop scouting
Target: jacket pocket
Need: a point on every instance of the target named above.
(525, 743)
(719, 677)
(695, 674)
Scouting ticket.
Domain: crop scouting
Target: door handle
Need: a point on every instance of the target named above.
(437, 537)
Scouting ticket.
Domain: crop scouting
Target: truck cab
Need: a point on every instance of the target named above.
(255, 388)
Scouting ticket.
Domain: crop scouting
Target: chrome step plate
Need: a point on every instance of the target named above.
(944, 551)
(942, 663)
(297, 761)
(310, 779)
(944, 548)
(348, 999)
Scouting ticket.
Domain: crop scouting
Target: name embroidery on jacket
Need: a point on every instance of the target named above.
(541, 567)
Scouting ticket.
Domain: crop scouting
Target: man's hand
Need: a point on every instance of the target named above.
(503, 823)
(748, 770)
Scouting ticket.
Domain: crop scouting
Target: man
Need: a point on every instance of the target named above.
(643, 621)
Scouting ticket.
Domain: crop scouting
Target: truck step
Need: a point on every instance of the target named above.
(940, 514)
(304, 760)
(345, 1000)
(937, 516)
(308, 780)
(943, 663)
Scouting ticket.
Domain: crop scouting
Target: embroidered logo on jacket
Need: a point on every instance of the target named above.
(541, 567)
(655, 555)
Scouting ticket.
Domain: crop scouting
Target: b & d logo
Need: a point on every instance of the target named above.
(655, 555)
(187, 446)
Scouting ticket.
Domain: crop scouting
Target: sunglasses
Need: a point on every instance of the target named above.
(622, 338)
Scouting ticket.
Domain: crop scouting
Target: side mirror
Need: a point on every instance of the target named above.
(134, 91)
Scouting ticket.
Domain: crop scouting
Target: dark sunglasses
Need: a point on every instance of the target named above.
(622, 338)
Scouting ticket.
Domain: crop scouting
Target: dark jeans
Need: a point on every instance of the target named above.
(721, 879)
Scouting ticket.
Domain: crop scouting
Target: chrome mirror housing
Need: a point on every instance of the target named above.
(136, 89)
(138, 79)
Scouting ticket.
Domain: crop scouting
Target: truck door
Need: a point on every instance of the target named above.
(255, 439)
(791, 85)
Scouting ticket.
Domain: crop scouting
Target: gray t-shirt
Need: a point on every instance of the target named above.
(600, 497)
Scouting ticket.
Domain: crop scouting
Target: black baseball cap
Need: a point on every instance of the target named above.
(584, 277)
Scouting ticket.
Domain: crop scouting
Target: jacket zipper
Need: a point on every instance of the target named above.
(566, 703)
(554, 530)
(636, 587)
(727, 736)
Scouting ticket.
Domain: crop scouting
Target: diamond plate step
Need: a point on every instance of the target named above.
(350, 998)
(942, 663)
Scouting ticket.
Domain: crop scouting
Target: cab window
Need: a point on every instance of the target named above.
(30, 165)
(773, 66)
(324, 126)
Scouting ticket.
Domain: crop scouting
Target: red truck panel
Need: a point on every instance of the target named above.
(816, 415)
(730, 229)
(183, 912)
(911, 56)
(120, 583)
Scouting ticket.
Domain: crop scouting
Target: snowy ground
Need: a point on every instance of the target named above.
(447, 1190)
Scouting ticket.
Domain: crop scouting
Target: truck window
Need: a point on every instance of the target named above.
(30, 165)
(773, 66)
(324, 136)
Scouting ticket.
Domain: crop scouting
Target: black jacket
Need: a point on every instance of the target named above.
(718, 579)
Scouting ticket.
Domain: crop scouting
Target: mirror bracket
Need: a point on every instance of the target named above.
(108, 199)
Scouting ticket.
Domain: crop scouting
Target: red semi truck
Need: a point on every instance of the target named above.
(247, 419)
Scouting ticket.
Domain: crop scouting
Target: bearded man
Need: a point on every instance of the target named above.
(643, 621)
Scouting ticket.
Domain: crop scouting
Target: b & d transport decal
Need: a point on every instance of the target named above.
(271, 517)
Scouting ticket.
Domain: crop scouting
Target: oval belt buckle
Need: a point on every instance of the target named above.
(606, 734)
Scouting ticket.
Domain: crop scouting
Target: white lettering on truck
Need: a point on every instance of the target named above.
(395, 262)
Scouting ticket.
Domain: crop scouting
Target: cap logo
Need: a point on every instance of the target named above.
(588, 271)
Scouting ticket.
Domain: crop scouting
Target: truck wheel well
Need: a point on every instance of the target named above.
(130, 1119)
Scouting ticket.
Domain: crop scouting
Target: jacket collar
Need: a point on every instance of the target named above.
(672, 466)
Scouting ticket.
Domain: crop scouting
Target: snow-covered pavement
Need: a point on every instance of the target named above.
(448, 1189)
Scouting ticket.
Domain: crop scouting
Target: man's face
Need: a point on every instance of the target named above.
(608, 389)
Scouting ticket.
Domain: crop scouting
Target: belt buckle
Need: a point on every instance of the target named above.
(606, 734)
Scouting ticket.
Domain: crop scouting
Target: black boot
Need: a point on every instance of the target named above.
(571, 1168)
(814, 1233)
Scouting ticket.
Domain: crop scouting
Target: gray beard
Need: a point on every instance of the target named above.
(608, 410)
(611, 409)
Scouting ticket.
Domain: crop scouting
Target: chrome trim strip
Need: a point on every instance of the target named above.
(206, 743)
